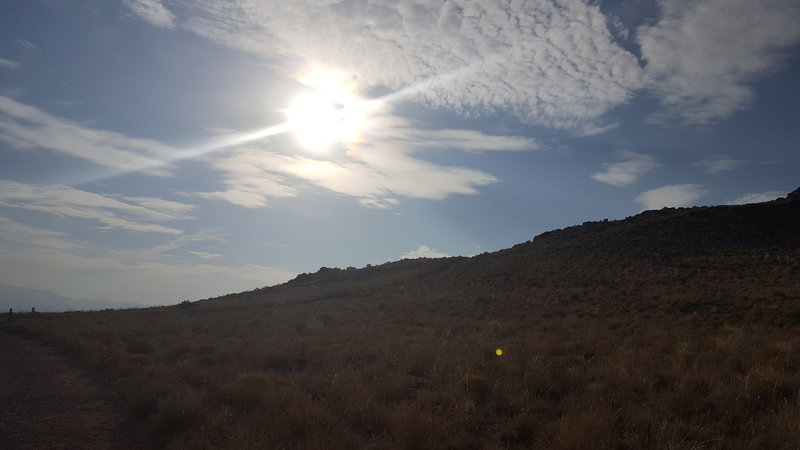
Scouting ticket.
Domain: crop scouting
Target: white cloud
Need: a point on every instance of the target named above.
(397, 131)
(251, 176)
(27, 238)
(423, 251)
(27, 45)
(167, 209)
(152, 11)
(206, 255)
(181, 242)
(675, 196)
(377, 170)
(27, 128)
(757, 197)
(70, 202)
(632, 166)
(378, 203)
(547, 62)
(719, 163)
(701, 55)
(8, 64)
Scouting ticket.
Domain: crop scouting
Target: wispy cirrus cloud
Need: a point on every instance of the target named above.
(206, 255)
(715, 164)
(627, 171)
(376, 171)
(674, 196)
(152, 11)
(251, 176)
(24, 237)
(28, 128)
(9, 64)
(757, 197)
(113, 213)
(701, 56)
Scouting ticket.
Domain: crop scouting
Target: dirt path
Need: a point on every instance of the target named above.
(47, 402)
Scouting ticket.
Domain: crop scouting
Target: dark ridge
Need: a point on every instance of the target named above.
(656, 235)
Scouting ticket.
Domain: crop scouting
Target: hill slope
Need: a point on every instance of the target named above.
(672, 329)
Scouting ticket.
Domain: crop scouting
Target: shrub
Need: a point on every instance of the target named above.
(525, 426)
(140, 360)
(247, 390)
(478, 387)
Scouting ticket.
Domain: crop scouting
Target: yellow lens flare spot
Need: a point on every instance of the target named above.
(499, 352)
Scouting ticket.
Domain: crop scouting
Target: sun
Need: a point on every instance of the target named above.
(328, 113)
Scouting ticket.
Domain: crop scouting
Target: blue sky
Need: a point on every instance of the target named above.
(156, 151)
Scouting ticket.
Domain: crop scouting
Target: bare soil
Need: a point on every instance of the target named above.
(48, 402)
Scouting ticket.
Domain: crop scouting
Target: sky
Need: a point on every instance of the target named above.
(165, 150)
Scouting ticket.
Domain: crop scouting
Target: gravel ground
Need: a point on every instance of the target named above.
(48, 402)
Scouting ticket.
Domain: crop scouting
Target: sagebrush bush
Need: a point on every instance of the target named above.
(247, 389)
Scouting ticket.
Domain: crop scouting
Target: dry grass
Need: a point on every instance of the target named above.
(696, 351)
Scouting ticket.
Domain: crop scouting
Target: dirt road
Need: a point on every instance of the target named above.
(48, 402)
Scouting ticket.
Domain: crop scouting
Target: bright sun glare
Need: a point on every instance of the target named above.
(329, 113)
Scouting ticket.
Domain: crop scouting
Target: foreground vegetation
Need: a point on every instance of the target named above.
(673, 329)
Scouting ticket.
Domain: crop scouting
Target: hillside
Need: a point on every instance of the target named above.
(671, 329)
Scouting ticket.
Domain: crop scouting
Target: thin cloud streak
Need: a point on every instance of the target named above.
(27, 128)
(715, 164)
(22, 237)
(9, 64)
(113, 213)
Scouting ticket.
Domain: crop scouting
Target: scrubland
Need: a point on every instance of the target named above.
(654, 343)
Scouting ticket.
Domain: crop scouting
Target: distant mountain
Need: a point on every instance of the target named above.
(23, 299)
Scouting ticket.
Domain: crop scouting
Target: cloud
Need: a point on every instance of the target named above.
(675, 196)
(27, 238)
(547, 62)
(152, 11)
(111, 212)
(423, 251)
(169, 210)
(27, 128)
(251, 177)
(398, 131)
(8, 64)
(27, 45)
(623, 173)
(181, 242)
(757, 197)
(701, 55)
(377, 170)
(206, 255)
(719, 163)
